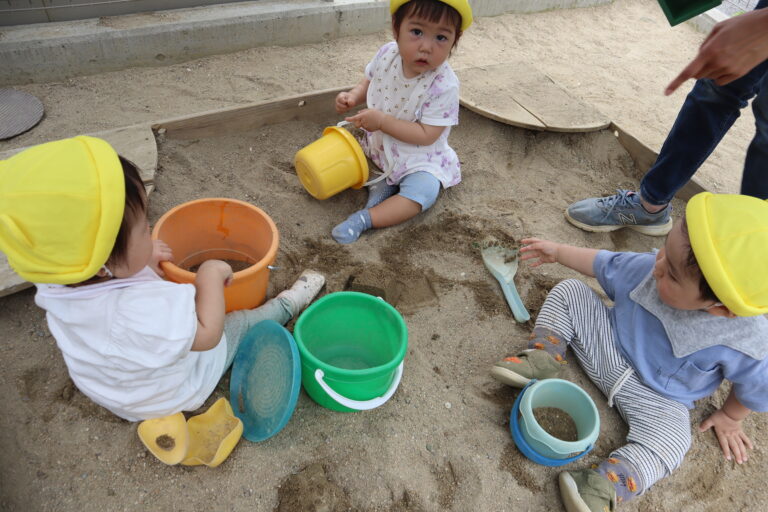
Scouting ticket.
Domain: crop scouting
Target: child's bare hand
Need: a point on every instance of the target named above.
(733, 441)
(217, 268)
(344, 102)
(160, 252)
(544, 250)
(369, 119)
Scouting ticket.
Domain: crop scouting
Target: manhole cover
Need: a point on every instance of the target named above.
(19, 111)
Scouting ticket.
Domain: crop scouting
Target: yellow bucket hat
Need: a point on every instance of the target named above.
(729, 237)
(462, 6)
(61, 206)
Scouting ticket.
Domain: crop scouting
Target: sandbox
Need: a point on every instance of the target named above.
(262, 138)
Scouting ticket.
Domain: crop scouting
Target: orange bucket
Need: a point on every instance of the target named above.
(224, 229)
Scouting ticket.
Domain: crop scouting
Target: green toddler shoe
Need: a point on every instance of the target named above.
(519, 370)
(586, 490)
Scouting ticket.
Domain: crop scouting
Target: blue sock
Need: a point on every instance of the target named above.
(378, 192)
(351, 229)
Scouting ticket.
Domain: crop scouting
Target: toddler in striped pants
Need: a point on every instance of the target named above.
(684, 319)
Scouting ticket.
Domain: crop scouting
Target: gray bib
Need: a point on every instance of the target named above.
(689, 331)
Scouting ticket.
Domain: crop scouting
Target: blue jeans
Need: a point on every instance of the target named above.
(707, 114)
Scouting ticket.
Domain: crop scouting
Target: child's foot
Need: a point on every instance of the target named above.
(517, 371)
(586, 490)
(301, 293)
(351, 229)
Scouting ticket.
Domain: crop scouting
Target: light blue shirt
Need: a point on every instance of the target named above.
(644, 342)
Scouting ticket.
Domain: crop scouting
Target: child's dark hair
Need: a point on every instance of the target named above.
(704, 289)
(431, 10)
(135, 207)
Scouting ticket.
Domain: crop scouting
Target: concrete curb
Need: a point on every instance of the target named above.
(53, 51)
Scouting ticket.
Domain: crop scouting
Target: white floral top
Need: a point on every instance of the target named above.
(431, 98)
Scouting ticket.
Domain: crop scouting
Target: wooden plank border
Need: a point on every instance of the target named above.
(244, 118)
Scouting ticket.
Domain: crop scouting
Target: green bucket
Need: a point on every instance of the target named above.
(352, 347)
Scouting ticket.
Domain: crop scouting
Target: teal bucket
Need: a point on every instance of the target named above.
(569, 398)
(352, 347)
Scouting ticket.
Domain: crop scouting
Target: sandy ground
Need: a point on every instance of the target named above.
(442, 442)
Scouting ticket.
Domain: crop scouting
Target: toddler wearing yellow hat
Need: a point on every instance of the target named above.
(683, 320)
(73, 220)
(412, 99)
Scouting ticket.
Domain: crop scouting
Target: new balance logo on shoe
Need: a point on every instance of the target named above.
(626, 219)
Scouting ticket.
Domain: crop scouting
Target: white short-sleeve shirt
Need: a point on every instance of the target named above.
(431, 98)
(127, 344)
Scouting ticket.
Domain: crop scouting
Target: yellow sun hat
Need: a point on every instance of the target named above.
(462, 6)
(729, 238)
(61, 206)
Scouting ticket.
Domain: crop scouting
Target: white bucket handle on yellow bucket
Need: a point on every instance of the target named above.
(378, 178)
(365, 405)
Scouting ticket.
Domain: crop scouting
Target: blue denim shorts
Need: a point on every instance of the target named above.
(421, 187)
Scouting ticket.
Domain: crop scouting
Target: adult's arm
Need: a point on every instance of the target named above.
(730, 51)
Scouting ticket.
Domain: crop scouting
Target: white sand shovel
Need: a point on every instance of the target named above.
(502, 263)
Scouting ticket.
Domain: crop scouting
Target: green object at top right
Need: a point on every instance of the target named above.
(678, 11)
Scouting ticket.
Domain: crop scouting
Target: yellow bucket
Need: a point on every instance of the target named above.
(332, 163)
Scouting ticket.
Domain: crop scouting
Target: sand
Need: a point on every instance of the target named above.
(442, 442)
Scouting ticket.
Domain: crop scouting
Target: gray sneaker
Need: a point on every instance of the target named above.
(517, 371)
(586, 490)
(623, 210)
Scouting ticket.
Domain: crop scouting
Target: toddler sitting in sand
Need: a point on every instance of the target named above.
(73, 219)
(412, 96)
(683, 320)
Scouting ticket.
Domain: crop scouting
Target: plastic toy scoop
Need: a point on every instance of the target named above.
(207, 438)
(166, 438)
(213, 435)
(502, 264)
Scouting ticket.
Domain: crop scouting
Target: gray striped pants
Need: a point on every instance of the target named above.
(659, 428)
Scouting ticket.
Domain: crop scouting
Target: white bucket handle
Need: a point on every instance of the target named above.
(378, 178)
(366, 405)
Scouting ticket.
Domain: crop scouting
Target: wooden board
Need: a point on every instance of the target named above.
(481, 92)
(249, 117)
(643, 156)
(136, 143)
(517, 93)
